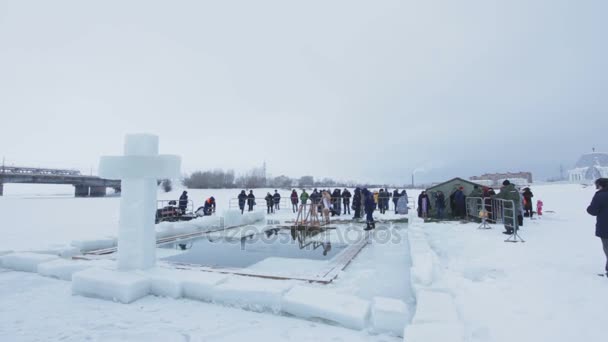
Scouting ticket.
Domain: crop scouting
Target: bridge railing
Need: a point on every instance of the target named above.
(38, 171)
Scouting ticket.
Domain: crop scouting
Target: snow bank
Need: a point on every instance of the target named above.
(200, 285)
(200, 224)
(124, 287)
(232, 218)
(62, 269)
(435, 307)
(164, 282)
(389, 315)
(91, 245)
(308, 302)
(250, 293)
(25, 261)
(423, 259)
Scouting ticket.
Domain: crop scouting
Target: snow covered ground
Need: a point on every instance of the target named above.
(544, 289)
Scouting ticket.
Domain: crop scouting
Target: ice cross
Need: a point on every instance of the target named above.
(139, 169)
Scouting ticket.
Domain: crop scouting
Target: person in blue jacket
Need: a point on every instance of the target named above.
(370, 206)
(599, 209)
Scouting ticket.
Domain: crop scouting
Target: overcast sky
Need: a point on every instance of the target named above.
(349, 89)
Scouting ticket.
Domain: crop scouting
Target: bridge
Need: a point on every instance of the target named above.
(84, 186)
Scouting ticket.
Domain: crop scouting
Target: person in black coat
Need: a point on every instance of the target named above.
(250, 200)
(183, 202)
(599, 209)
(396, 196)
(315, 197)
(370, 206)
(440, 205)
(528, 212)
(460, 203)
(346, 200)
(357, 203)
(242, 200)
(277, 200)
(336, 199)
(381, 199)
(269, 203)
(387, 199)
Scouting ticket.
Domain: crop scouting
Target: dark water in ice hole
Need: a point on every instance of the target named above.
(244, 252)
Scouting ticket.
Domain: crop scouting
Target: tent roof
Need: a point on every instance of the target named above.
(460, 180)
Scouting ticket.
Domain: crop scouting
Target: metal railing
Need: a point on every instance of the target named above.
(488, 211)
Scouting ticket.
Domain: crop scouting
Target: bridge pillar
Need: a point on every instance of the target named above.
(81, 191)
(98, 191)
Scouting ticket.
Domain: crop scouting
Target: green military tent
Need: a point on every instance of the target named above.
(448, 188)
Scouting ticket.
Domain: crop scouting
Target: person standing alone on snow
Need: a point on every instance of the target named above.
(599, 209)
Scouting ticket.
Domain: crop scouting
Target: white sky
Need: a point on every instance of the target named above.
(366, 90)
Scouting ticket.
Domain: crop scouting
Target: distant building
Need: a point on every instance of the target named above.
(496, 179)
(589, 167)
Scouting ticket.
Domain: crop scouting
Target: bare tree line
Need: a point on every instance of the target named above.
(256, 178)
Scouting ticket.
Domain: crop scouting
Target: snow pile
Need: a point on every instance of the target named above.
(200, 224)
(203, 224)
(308, 302)
(389, 315)
(436, 317)
(62, 269)
(124, 287)
(234, 218)
(423, 258)
(434, 307)
(250, 293)
(25, 261)
(91, 245)
(200, 285)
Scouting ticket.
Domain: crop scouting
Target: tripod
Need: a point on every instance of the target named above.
(515, 237)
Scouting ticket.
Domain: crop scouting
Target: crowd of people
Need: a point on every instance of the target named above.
(332, 203)
(457, 201)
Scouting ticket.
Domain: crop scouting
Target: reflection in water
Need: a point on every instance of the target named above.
(304, 237)
(243, 251)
